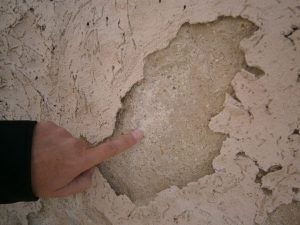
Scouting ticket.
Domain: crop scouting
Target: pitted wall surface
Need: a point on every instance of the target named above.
(73, 61)
(184, 86)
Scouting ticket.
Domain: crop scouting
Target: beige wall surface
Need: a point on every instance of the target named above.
(215, 85)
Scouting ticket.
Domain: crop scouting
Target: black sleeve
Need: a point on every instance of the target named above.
(15, 161)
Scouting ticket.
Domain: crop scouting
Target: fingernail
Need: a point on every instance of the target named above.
(137, 134)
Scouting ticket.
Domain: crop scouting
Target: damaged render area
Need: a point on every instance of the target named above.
(73, 61)
(184, 86)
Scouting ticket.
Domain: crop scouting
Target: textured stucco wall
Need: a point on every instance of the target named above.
(184, 86)
(72, 62)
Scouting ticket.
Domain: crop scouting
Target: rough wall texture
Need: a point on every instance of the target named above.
(72, 62)
(285, 214)
(184, 86)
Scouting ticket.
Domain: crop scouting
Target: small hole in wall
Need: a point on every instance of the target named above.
(184, 7)
(53, 49)
(267, 191)
(298, 78)
(241, 154)
(159, 1)
(106, 19)
(41, 27)
(31, 9)
(296, 131)
(295, 190)
(36, 78)
(267, 108)
(88, 23)
(294, 28)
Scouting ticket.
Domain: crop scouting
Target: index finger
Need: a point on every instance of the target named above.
(105, 151)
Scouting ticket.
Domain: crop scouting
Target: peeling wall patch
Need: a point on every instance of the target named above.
(184, 86)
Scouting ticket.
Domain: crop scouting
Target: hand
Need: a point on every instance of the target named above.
(62, 165)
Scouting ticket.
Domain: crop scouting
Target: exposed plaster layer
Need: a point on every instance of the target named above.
(184, 86)
(86, 86)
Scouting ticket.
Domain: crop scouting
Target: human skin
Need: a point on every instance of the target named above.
(62, 165)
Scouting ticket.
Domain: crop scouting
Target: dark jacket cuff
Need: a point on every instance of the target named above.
(15, 161)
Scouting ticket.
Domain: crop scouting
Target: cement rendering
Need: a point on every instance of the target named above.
(184, 86)
(73, 61)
